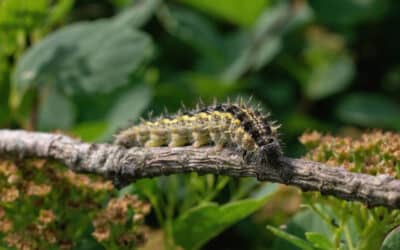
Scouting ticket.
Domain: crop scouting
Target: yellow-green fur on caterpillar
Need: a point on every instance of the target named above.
(226, 125)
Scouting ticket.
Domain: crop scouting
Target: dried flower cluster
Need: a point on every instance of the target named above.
(41, 229)
(40, 202)
(116, 215)
(374, 153)
(79, 180)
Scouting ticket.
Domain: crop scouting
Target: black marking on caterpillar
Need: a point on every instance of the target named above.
(228, 125)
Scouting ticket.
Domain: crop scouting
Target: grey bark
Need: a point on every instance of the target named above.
(126, 165)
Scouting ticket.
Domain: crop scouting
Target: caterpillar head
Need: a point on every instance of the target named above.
(270, 152)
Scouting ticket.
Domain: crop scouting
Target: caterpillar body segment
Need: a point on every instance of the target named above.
(226, 125)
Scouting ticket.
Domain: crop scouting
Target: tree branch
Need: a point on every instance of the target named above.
(126, 165)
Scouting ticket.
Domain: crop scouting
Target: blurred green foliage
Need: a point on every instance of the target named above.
(91, 67)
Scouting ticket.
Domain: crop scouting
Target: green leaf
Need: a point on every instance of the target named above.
(89, 131)
(198, 225)
(265, 40)
(348, 12)
(391, 82)
(88, 57)
(236, 11)
(330, 78)
(262, 46)
(298, 123)
(19, 17)
(129, 107)
(87, 243)
(392, 240)
(60, 10)
(56, 111)
(207, 85)
(319, 240)
(4, 91)
(21, 14)
(138, 14)
(298, 242)
(195, 30)
(252, 59)
(302, 222)
(370, 110)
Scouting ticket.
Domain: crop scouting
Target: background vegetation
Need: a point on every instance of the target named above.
(88, 68)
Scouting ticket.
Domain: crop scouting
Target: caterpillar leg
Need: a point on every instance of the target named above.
(200, 138)
(157, 138)
(178, 139)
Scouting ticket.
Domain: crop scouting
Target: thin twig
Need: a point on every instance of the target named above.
(126, 165)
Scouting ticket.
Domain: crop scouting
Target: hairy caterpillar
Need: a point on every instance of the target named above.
(227, 125)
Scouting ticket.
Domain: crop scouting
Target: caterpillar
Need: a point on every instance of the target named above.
(227, 125)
